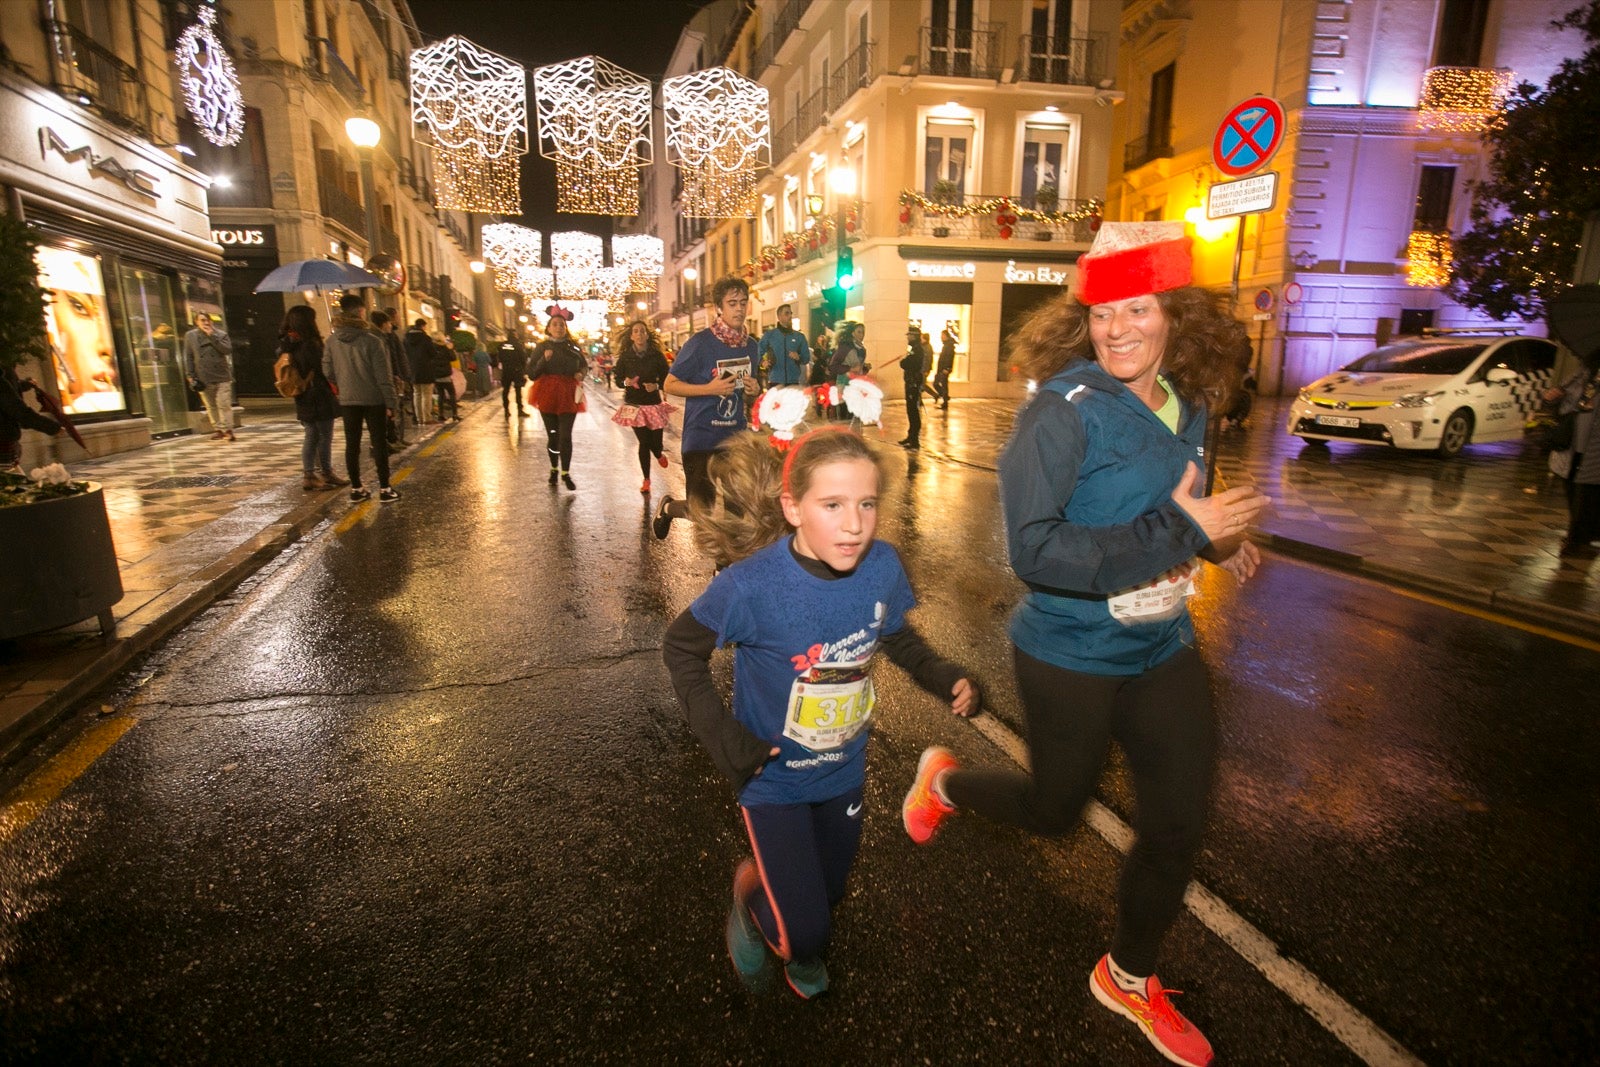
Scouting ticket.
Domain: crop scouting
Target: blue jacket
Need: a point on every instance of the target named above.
(784, 355)
(1086, 485)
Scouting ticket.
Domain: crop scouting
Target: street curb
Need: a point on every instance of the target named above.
(1512, 605)
(210, 584)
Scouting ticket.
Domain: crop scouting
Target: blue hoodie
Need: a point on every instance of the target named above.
(1086, 485)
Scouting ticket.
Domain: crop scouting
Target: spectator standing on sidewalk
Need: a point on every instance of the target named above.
(356, 364)
(208, 361)
(441, 370)
(511, 359)
(419, 357)
(315, 407)
(16, 416)
(714, 371)
(558, 368)
(783, 352)
(914, 370)
(1579, 465)
(941, 373)
(1101, 489)
(399, 369)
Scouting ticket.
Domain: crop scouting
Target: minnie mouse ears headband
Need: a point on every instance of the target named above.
(556, 311)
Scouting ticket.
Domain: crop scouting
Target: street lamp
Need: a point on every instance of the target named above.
(365, 134)
(476, 266)
(689, 275)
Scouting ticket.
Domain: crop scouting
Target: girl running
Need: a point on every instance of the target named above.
(808, 598)
(557, 391)
(640, 370)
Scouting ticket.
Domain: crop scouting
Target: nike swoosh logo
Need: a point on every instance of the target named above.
(853, 810)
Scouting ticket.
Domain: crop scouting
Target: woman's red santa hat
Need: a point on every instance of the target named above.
(1134, 258)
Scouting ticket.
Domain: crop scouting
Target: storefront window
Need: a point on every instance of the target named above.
(155, 337)
(933, 318)
(83, 357)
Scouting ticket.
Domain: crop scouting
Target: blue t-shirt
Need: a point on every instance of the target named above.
(791, 626)
(707, 420)
(786, 354)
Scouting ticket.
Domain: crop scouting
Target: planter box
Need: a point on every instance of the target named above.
(60, 565)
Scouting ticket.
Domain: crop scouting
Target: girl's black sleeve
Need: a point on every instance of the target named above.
(909, 652)
(736, 751)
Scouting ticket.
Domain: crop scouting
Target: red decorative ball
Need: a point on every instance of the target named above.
(1005, 231)
(1094, 223)
(850, 226)
(905, 215)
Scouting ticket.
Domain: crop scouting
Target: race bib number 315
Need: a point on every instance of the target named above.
(828, 714)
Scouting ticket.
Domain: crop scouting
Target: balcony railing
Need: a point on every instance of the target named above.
(794, 250)
(399, 68)
(785, 23)
(341, 207)
(856, 72)
(1057, 60)
(333, 69)
(417, 279)
(388, 242)
(960, 53)
(1139, 152)
(91, 74)
(976, 217)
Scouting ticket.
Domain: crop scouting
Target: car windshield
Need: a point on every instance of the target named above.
(1418, 357)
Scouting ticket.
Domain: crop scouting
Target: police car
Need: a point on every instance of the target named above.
(1441, 391)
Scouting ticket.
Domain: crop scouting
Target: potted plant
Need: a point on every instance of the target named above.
(59, 564)
(1046, 199)
(945, 191)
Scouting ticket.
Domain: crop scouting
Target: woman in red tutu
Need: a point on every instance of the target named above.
(557, 391)
(640, 370)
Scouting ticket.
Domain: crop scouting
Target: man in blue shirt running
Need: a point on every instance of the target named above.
(783, 352)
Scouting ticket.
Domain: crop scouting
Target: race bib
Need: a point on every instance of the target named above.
(1160, 598)
(829, 706)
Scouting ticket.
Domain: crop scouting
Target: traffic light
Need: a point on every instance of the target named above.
(846, 274)
(832, 304)
(452, 320)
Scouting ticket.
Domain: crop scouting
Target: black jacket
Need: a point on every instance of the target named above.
(513, 361)
(16, 416)
(317, 403)
(419, 354)
(558, 357)
(649, 366)
(439, 366)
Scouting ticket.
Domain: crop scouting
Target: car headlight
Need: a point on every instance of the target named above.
(1417, 400)
(1305, 396)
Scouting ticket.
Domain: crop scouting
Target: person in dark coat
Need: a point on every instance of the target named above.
(914, 368)
(419, 357)
(399, 368)
(512, 360)
(16, 416)
(947, 363)
(444, 386)
(315, 407)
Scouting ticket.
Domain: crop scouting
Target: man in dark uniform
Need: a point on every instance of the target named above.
(915, 368)
(512, 359)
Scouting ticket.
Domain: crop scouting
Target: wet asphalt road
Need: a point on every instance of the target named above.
(420, 793)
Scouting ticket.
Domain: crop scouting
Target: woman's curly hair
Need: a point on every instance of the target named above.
(1207, 349)
(748, 473)
(622, 339)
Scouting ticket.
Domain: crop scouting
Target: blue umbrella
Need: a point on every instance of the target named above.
(317, 275)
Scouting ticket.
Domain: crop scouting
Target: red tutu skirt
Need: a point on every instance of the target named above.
(556, 394)
(649, 416)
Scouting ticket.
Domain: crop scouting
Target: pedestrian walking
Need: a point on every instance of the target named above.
(399, 369)
(641, 370)
(315, 405)
(511, 360)
(16, 415)
(946, 364)
(208, 361)
(1578, 465)
(1100, 487)
(419, 357)
(715, 372)
(914, 371)
(782, 354)
(807, 598)
(442, 368)
(356, 365)
(558, 370)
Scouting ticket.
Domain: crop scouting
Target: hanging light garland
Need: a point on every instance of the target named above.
(209, 82)
(1086, 211)
(719, 137)
(1428, 259)
(594, 121)
(513, 251)
(611, 286)
(643, 255)
(472, 106)
(538, 283)
(1462, 99)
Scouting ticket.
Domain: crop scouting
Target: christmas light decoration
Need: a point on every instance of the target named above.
(465, 181)
(588, 316)
(472, 106)
(643, 255)
(1085, 209)
(594, 121)
(1462, 99)
(576, 250)
(540, 283)
(209, 82)
(719, 137)
(611, 286)
(513, 251)
(1428, 259)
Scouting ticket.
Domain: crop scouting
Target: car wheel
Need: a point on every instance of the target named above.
(1457, 431)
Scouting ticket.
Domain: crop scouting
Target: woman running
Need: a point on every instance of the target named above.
(557, 391)
(640, 370)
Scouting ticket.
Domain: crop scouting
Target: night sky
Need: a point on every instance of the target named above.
(637, 35)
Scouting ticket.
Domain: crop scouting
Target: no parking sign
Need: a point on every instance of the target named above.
(1249, 136)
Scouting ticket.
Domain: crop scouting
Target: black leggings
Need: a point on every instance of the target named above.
(558, 439)
(649, 446)
(373, 416)
(444, 391)
(1163, 722)
(804, 853)
(511, 387)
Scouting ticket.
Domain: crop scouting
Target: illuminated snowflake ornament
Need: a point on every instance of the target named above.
(209, 82)
(719, 137)
(594, 121)
(643, 255)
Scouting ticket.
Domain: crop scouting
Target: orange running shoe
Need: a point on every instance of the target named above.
(923, 811)
(1174, 1037)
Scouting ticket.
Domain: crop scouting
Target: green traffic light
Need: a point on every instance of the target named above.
(847, 281)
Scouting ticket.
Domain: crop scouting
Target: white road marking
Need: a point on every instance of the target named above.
(1359, 1034)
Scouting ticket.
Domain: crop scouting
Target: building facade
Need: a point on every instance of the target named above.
(1384, 102)
(976, 136)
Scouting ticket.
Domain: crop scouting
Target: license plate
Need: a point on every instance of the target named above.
(1343, 421)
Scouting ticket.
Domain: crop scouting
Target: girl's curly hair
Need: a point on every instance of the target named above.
(1207, 349)
(750, 477)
